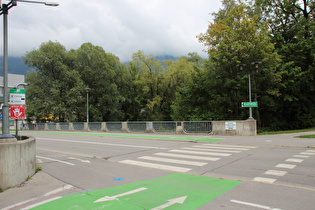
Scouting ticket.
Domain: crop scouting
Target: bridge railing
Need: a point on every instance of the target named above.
(240, 127)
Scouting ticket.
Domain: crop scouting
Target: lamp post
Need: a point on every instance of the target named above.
(87, 104)
(256, 63)
(5, 109)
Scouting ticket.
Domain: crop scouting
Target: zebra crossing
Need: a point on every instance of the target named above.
(187, 157)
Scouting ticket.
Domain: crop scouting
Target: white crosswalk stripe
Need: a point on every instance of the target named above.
(193, 157)
(167, 160)
(197, 155)
(212, 150)
(200, 153)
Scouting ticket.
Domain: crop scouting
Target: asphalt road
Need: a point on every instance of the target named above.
(266, 172)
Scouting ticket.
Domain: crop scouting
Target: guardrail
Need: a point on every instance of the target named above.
(241, 127)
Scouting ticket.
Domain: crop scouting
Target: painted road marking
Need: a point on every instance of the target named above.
(301, 156)
(294, 160)
(110, 198)
(83, 161)
(224, 148)
(311, 151)
(39, 161)
(264, 180)
(253, 205)
(55, 160)
(100, 143)
(27, 202)
(307, 153)
(199, 153)
(288, 166)
(276, 173)
(167, 160)
(192, 192)
(157, 166)
(171, 202)
(233, 146)
(212, 150)
(187, 156)
(41, 203)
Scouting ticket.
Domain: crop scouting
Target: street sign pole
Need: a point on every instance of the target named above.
(250, 97)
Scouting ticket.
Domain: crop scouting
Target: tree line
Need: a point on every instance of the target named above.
(277, 33)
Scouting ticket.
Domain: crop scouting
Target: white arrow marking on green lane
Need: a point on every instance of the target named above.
(179, 200)
(110, 198)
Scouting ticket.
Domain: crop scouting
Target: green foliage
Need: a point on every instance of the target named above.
(278, 33)
(57, 84)
(38, 168)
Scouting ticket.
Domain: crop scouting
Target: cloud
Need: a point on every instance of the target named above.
(121, 27)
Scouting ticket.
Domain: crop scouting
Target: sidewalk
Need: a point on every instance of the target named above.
(40, 187)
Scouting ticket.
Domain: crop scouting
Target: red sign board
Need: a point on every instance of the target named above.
(17, 112)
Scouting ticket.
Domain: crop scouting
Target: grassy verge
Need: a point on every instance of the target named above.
(308, 136)
(286, 132)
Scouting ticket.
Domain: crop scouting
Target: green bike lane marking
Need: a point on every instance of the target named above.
(174, 191)
(202, 139)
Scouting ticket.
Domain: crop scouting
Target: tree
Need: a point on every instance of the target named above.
(149, 75)
(106, 77)
(54, 87)
(292, 27)
(235, 38)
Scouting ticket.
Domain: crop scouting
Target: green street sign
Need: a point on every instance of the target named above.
(17, 97)
(249, 104)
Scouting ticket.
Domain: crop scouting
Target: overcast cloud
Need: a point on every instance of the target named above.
(122, 27)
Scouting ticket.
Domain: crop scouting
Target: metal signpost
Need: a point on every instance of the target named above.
(17, 106)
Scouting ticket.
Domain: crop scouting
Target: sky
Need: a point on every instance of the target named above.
(121, 27)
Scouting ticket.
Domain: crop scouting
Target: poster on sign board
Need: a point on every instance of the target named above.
(17, 112)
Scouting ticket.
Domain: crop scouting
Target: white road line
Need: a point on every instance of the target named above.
(100, 143)
(39, 161)
(157, 166)
(226, 145)
(301, 156)
(311, 151)
(294, 160)
(53, 192)
(167, 160)
(19, 204)
(59, 161)
(287, 166)
(276, 173)
(253, 205)
(264, 180)
(200, 153)
(187, 156)
(40, 203)
(307, 153)
(211, 150)
(66, 187)
(225, 148)
(83, 161)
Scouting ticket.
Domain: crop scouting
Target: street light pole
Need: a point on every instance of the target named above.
(5, 109)
(250, 97)
(87, 104)
(256, 63)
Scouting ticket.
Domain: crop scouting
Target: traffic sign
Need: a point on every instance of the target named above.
(17, 97)
(17, 112)
(249, 104)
